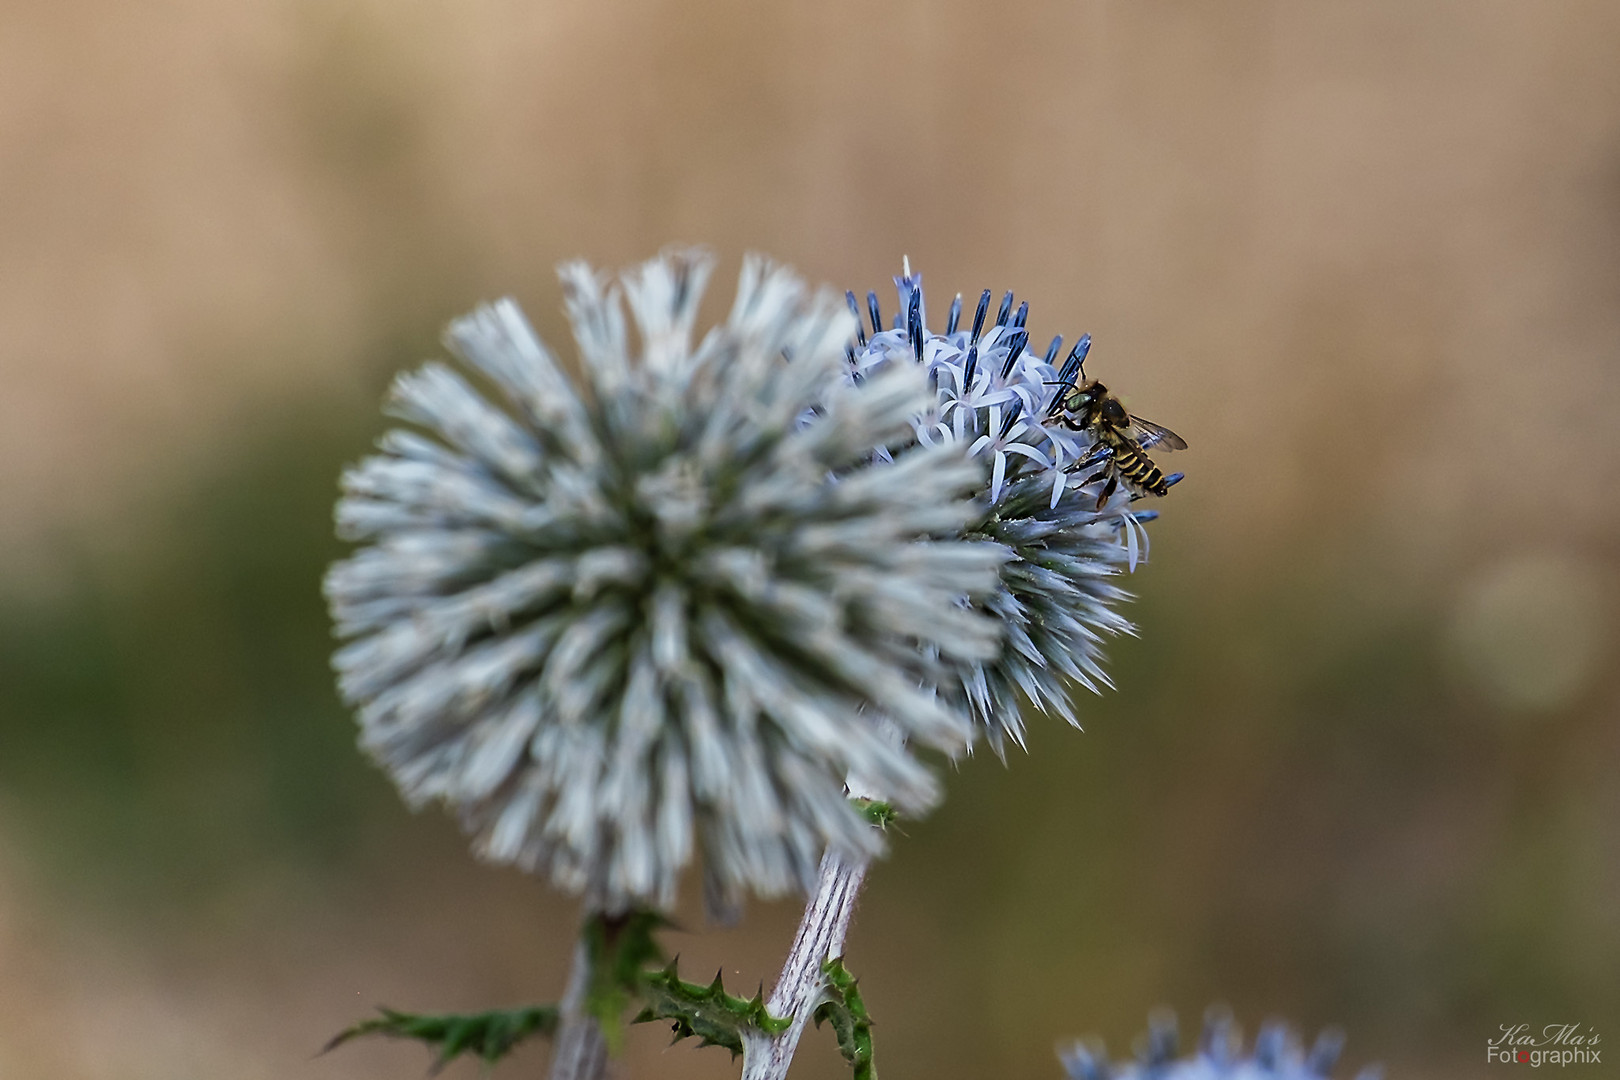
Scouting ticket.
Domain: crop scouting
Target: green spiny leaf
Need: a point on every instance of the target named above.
(489, 1035)
(715, 1017)
(844, 1010)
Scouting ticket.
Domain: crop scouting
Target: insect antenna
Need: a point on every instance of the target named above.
(1057, 397)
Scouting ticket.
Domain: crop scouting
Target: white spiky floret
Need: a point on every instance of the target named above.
(620, 620)
(1058, 595)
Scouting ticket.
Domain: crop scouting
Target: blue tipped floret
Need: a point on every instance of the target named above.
(1084, 1062)
(1051, 350)
(1022, 316)
(872, 309)
(855, 310)
(1219, 1055)
(1329, 1044)
(968, 369)
(1173, 479)
(978, 316)
(1076, 360)
(914, 326)
(1016, 341)
(1271, 1044)
(955, 316)
(1006, 309)
(1066, 375)
(1012, 416)
(1159, 1048)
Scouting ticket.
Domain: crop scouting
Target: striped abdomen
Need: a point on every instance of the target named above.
(1136, 467)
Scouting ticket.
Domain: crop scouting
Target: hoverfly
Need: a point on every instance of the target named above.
(1120, 439)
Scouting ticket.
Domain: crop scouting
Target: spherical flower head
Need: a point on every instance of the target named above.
(1057, 599)
(1277, 1054)
(618, 620)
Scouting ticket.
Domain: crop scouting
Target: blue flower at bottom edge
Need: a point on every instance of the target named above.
(1277, 1054)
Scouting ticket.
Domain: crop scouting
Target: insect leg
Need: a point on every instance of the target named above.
(1097, 458)
(1108, 488)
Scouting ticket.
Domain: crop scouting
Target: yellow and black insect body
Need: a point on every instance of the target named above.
(1133, 465)
(1121, 440)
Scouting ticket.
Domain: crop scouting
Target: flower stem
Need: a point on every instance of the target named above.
(798, 989)
(580, 1051)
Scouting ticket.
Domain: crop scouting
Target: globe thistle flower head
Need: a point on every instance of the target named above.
(1058, 598)
(1277, 1054)
(618, 620)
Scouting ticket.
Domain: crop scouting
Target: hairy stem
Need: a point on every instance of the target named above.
(580, 1052)
(798, 990)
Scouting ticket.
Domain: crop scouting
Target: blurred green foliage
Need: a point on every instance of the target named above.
(171, 717)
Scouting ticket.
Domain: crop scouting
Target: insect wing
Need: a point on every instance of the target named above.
(1148, 434)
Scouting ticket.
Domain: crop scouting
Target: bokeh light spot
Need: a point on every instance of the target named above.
(1529, 631)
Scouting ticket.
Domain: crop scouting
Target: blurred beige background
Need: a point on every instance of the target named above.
(1365, 257)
